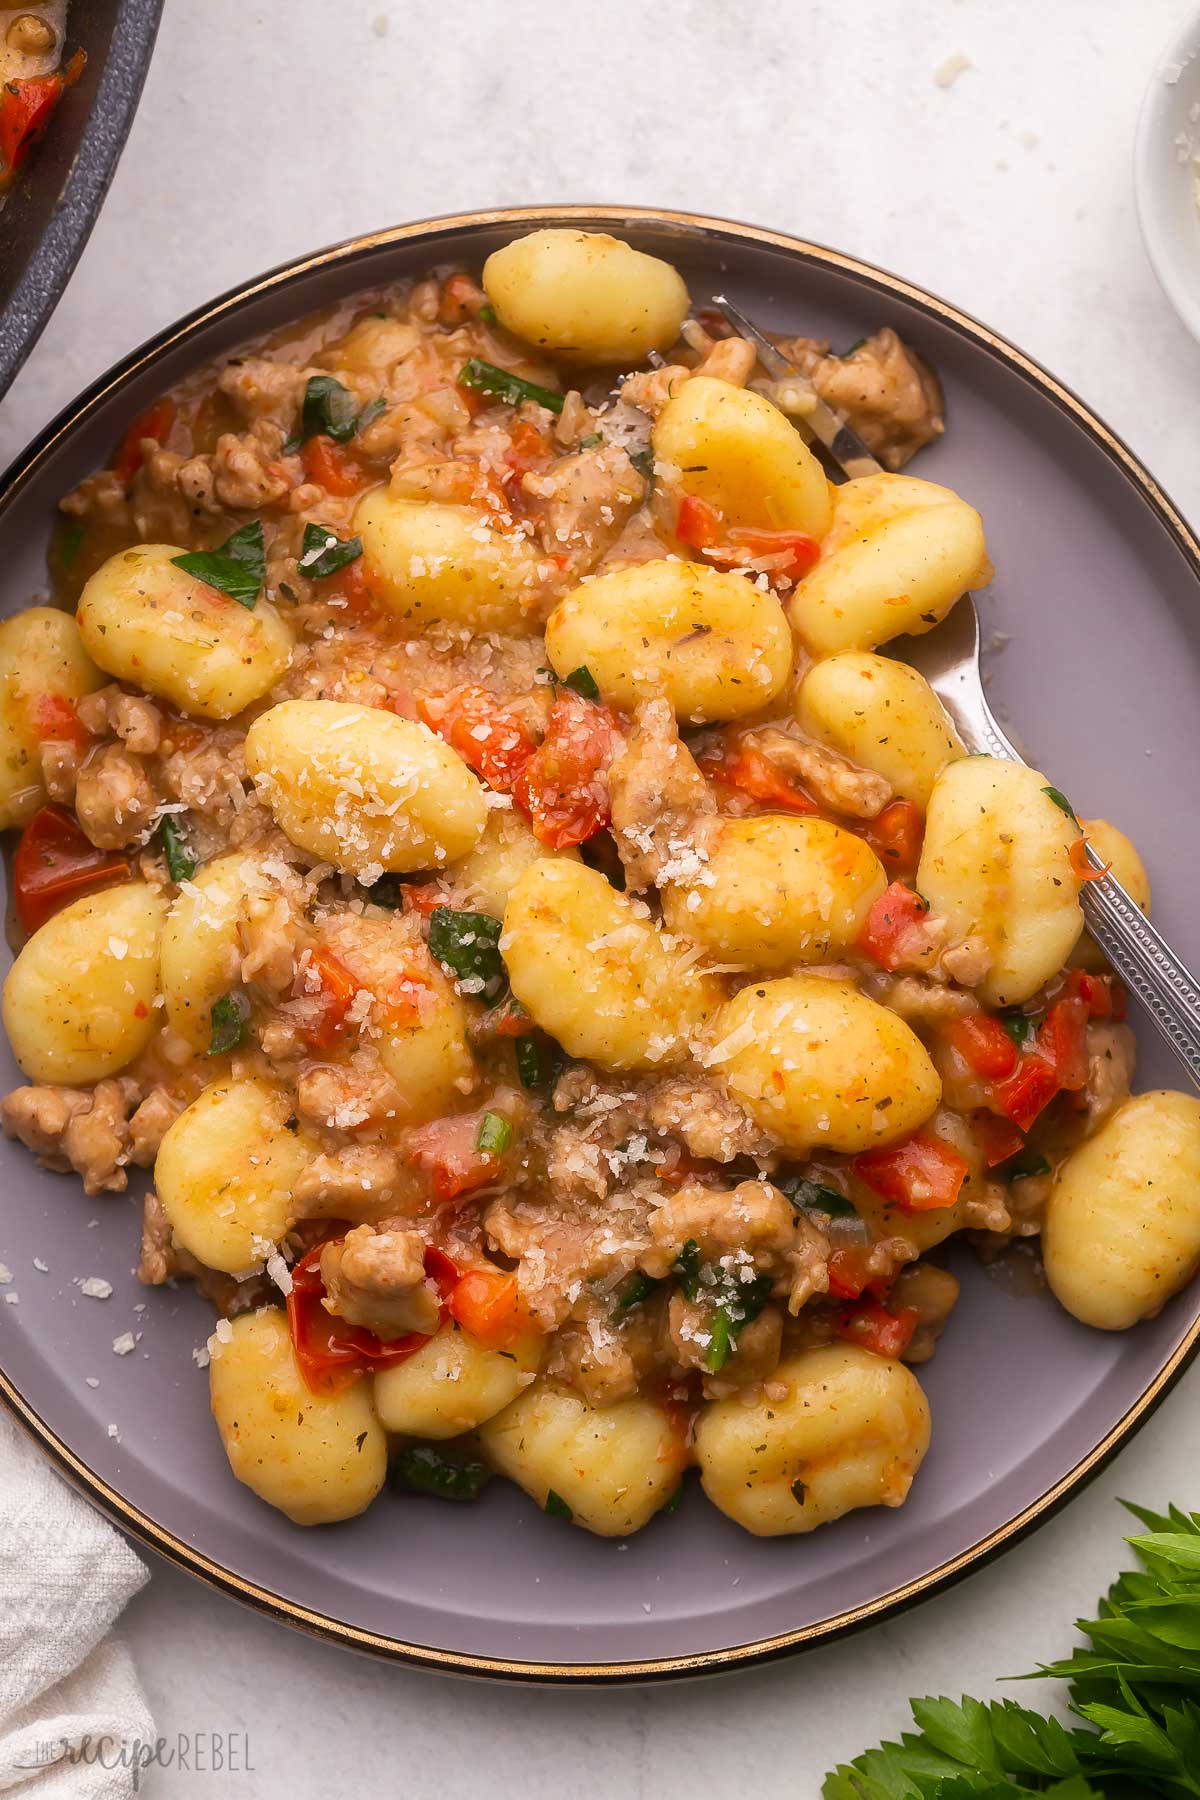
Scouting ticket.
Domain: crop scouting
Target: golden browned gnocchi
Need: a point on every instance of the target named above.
(609, 1468)
(561, 979)
(363, 790)
(899, 553)
(852, 1431)
(712, 642)
(996, 863)
(147, 622)
(79, 1000)
(44, 670)
(585, 296)
(317, 1457)
(591, 968)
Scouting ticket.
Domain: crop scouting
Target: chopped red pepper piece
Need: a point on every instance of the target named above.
(562, 788)
(702, 528)
(850, 1273)
(1062, 1040)
(922, 1174)
(56, 721)
(1103, 995)
(895, 835)
(155, 423)
(331, 467)
(488, 1304)
(324, 1021)
(984, 1044)
(882, 1332)
(892, 926)
(492, 738)
(528, 447)
(755, 775)
(25, 109)
(332, 1354)
(1028, 1092)
(448, 1149)
(997, 1138)
(56, 863)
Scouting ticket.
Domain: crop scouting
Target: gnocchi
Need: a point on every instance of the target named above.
(151, 624)
(362, 789)
(590, 968)
(79, 1000)
(44, 670)
(454, 1383)
(996, 863)
(318, 1458)
(610, 1468)
(715, 645)
(432, 562)
(883, 715)
(585, 296)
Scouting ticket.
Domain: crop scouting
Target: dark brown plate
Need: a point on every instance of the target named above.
(1097, 587)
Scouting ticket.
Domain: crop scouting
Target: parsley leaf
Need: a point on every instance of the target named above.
(502, 384)
(181, 864)
(557, 1507)
(323, 552)
(425, 1469)
(238, 567)
(1019, 1026)
(468, 944)
(583, 682)
(328, 410)
(814, 1196)
(1060, 800)
(229, 1016)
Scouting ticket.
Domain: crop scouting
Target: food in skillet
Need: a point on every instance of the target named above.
(566, 982)
(31, 81)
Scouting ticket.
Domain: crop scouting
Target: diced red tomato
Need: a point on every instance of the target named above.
(528, 447)
(562, 788)
(424, 897)
(922, 1174)
(850, 1273)
(892, 930)
(489, 736)
(1103, 995)
(984, 1045)
(697, 524)
(324, 1023)
(332, 1354)
(353, 585)
(997, 1138)
(56, 721)
(1062, 1040)
(447, 1149)
(753, 773)
(895, 836)
(1027, 1093)
(56, 863)
(876, 1329)
(25, 109)
(331, 467)
(461, 299)
(701, 526)
(488, 1304)
(155, 423)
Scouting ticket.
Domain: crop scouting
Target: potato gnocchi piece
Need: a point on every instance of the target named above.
(716, 645)
(362, 789)
(884, 716)
(1122, 1227)
(201, 948)
(899, 553)
(483, 879)
(316, 1457)
(591, 969)
(774, 891)
(43, 665)
(996, 864)
(226, 1169)
(613, 1466)
(1120, 853)
(79, 1000)
(154, 626)
(732, 449)
(454, 1383)
(852, 1432)
(821, 1066)
(433, 561)
(424, 1049)
(585, 296)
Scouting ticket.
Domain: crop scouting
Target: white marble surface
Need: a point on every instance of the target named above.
(268, 129)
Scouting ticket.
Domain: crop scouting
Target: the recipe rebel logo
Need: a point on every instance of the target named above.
(191, 1752)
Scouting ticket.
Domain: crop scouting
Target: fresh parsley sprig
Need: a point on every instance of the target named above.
(238, 567)
(1137, 1686)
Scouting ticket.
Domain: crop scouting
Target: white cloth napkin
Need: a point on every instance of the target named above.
(73, 1717)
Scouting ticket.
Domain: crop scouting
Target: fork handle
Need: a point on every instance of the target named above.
(1149, 966)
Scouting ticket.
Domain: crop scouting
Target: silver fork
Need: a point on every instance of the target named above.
(948, 658)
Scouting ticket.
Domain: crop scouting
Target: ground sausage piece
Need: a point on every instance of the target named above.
(148, 1126)
(375, 1278)
(364, 1176)
(834, 781)
(262, 389)
(582, 503)
(114, 800)
(706, 1121)
(357, 1092)
(658, 795)
(242, 473)
(883, 389)
(69, 1128)
(1112, 1054)
(754, 1217)
(60, 762)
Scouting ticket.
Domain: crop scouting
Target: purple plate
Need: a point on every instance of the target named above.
(1097, 595)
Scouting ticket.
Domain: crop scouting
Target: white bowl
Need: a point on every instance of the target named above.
(1166, 173)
